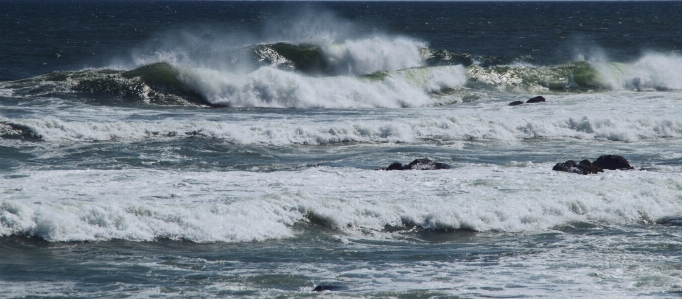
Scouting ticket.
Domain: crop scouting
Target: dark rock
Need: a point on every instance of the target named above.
(613, 162)
(565, 166)
(395, 166)
(330, 288)
(610, 162)
(515, 103)
(426, 164)
(537, 99)
(584, 167)
(588, 168)
(418, 164)
(568, 166)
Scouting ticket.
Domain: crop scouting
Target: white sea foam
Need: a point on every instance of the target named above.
(618, 116)
(5, 92)
(245, 206)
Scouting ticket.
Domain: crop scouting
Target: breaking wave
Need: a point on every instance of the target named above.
(374, 72)
(75, 205)
(636, 120)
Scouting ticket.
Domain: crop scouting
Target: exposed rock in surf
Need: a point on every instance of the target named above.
(613, 162)
(395, 166)
(418, 164)
(584, 167)
(537, 99)
(330, 288)
(568, 166)
(610, 162)
(588, 167)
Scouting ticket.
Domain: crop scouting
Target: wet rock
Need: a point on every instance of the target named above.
(613, 162)
(426, 164)
(610, 162)
(395, 166)
(584, 167)
(566, 166)
(418, 164)
(537, 99)
(515, 103)
(589, 168)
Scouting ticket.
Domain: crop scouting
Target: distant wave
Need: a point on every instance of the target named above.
(652, 72)
(367, 73)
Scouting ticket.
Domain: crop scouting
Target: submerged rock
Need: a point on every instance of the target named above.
(670, 221)
(537, 99)
(330, 288)
(611, 162)
(418, 164)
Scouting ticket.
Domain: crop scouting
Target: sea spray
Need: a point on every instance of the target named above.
(652, 71)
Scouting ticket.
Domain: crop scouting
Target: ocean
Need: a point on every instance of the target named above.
(191, 149)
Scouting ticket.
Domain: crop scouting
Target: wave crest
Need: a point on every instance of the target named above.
(271, 87)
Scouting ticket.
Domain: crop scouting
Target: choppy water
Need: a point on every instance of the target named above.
(224, 149)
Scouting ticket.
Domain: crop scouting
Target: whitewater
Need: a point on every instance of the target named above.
(236, 149)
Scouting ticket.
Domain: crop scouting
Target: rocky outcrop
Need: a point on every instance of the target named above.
(418, 164)
(613, 162)
(515, 103)
(538, 99)
(584, 167)
(610, 162)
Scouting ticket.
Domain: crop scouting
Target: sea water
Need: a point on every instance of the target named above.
(233, 149)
